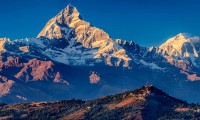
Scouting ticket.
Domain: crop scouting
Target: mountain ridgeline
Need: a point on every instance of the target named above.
(70, 58)
(145, 103)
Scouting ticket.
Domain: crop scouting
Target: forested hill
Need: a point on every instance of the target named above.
(147, 102)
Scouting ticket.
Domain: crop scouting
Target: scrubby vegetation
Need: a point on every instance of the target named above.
(145, 103)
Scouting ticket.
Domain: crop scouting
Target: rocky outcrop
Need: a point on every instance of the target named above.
(32, 70)
(36, 70)
(5, 85)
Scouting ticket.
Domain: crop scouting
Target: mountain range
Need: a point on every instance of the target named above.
(70, 58)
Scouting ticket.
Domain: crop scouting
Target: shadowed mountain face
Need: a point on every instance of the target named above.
(70, 58)
(145, 103)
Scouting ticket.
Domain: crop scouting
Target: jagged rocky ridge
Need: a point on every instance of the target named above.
(70, 58)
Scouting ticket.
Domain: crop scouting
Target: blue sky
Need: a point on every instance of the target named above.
(147, 22)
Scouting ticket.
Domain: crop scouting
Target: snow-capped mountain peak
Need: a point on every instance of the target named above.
(58, 26)
(68, 27)
(181, 36)
(68, 49)
(71, 10)
(179, 46)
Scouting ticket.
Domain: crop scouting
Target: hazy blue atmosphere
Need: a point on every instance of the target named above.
(147, 22)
